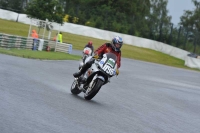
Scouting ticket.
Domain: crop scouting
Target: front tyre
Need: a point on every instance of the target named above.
(74, 88)
(90, 93)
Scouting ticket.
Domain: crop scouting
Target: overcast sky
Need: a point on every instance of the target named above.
(176, 9)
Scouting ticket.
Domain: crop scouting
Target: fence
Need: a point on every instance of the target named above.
(63, 47)
(11, 41)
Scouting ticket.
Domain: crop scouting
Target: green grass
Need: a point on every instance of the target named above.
(43, 55)
(78, 42)
(152, 56)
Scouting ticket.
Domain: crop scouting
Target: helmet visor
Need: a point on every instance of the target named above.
(117, 45)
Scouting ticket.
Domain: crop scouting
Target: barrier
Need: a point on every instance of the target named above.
(11, 41)
(192, 62)
(63, 47)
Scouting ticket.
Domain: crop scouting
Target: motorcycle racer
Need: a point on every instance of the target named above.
(113, 47)
(89, 45)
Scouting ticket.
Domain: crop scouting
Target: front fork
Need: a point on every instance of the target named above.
(90, 87)
(91, 84)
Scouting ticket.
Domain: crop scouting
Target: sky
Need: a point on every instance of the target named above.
(176, 9)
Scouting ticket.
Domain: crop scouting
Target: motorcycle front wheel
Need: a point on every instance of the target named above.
(91, 92)
(74, 88)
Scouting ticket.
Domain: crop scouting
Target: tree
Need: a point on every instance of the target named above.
(42, 9)
(158, 19)
(4, 4)
(13, 5)
(190, 20)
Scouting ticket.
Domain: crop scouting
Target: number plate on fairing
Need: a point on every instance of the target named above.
(108, 69)
(108, 66)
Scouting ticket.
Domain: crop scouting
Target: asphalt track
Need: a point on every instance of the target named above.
(35, 97)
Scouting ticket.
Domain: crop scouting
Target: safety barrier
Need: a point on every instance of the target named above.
(192, 62)
(12, 41)
(63, 47)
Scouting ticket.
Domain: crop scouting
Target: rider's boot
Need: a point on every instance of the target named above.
(84, 68)
(82, 71)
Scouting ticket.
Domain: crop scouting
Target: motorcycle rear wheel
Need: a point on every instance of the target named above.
(95, 89)
(74, 88)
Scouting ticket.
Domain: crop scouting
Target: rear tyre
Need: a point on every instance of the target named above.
(90, 93)
(74, 88)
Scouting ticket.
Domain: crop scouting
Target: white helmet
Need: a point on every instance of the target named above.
(116, 40)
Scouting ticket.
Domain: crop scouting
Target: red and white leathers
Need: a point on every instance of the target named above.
(105, 48)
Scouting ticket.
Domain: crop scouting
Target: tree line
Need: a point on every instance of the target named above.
(142, 18)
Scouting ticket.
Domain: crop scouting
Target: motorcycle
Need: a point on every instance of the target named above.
(86, 53)
(96, 76)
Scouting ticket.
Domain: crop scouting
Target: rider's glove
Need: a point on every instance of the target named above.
(96, 56)
(117, 72)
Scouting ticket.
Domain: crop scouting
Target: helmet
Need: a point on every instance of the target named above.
(90, 43)
(117, 41)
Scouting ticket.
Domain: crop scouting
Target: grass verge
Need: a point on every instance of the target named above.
(43, 55)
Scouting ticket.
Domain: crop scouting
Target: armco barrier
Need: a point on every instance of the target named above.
(11, 41)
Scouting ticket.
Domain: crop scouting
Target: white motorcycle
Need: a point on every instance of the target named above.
(86, 53)
(96, 76)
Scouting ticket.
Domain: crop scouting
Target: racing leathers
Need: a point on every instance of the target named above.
(105, 48)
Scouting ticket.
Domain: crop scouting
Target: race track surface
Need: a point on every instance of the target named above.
(35, 97)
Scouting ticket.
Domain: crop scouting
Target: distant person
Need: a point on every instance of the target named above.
(89, 44)
(59, 37)
(34, 34)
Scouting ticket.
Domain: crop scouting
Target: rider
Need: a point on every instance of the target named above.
(90, 46)
(113, 47)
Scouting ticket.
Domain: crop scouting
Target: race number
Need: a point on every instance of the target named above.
(108, 69)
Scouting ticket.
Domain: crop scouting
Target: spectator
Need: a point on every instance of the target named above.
(59, 38)
(34, 34)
